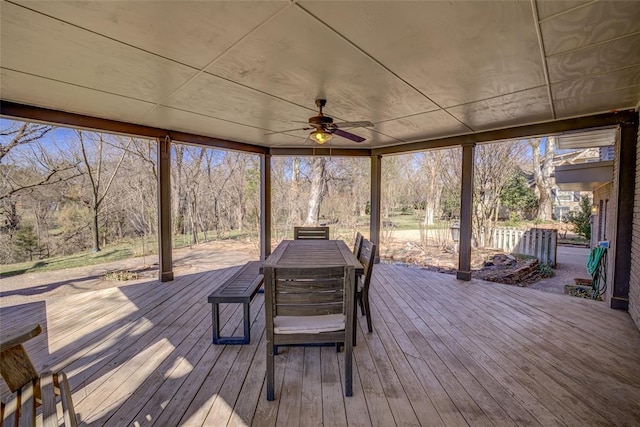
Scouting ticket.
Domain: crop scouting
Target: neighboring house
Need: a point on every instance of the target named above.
(596, 177)
(567, 197)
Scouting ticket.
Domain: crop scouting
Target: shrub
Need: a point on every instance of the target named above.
(545, 270)
(581, 218)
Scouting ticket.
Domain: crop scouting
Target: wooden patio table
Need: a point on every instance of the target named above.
(312, 253)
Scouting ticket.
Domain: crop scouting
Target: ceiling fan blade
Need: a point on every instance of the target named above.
(363, 124)
(288, 130)
(347, 135)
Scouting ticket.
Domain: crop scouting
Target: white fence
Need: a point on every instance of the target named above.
(539, 242)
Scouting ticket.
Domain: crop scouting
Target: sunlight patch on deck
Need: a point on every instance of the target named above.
(180, 368)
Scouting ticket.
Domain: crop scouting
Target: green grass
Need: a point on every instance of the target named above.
(109, 253)
(413, 222)
(79, 259)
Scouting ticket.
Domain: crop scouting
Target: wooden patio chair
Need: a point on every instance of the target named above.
(309, 306)
(367, 259)
(357, 246)
(30, 389)
(311, 233)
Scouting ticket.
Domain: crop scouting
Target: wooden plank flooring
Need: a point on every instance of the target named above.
(443, 352)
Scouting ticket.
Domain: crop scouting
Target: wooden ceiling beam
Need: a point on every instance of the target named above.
(44, 115)
(526, 131)
(39, 114)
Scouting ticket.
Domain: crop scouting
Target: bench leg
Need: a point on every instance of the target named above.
(215, 317)
(247, 324)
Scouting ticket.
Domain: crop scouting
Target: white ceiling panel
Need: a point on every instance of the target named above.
(447, 50)
(548, 8)
(35, 44)
(33, 90)
(599, 58)
(297, 58)
(184, 121)
(598, 102)
(423, 126)
(593, 23)
(237, 70)
(505, 110)
(159, 26)
(599, 83)
(222, 99)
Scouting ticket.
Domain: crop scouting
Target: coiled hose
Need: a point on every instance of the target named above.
(597, 268)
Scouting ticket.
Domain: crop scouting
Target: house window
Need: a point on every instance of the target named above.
(565, 196)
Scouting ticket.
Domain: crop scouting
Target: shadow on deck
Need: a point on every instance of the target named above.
(443, 352)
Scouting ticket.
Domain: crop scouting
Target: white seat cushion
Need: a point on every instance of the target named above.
(308, 324)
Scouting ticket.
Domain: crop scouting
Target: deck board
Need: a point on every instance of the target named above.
(443, 352)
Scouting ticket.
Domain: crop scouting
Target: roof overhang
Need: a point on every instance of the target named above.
(584, 176)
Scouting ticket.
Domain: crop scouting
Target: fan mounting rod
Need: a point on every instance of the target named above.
(321, 103)
(320, 119)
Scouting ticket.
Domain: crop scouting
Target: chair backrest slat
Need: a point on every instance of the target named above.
(308, 291)
(311, 233)
(357, 246)
(367, 259)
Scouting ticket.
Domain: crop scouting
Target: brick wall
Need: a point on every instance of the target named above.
(634, 282)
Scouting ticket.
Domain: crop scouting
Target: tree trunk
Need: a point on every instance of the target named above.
(318, 189)
(296, 169)
(432, 167)
(542, 168)
(94, 227)
(428, 214)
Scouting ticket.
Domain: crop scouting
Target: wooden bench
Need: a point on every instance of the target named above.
(239, 288)
(29, 389)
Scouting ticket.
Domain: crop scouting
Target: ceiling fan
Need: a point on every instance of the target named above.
(324, 128)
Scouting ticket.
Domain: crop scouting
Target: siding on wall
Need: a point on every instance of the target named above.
(612, 225)
(600, 197)
(634, 281)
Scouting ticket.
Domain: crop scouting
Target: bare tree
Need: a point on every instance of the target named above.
(542, 168)
(318, 189)
(32, 165)
(27, 167)
(290, 193)
(431, 170)
(95, 168)
(495, 164)
(20, 133)
(391, 185)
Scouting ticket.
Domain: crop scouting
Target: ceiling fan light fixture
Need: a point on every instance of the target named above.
(321, 136)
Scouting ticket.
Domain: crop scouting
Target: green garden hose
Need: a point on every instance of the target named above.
(597, 268)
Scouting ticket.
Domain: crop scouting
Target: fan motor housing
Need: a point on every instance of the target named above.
(320, 120)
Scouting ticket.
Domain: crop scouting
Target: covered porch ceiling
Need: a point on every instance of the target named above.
(235, 71)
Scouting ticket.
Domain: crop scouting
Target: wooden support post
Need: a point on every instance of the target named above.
(265, 206)
(376, 186)
(626, 180)
(466, 202)
(165, 270)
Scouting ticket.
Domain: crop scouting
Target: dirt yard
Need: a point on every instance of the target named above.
(39, 286)
(399, 247)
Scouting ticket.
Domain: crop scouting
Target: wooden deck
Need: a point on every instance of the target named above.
(443, 352)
